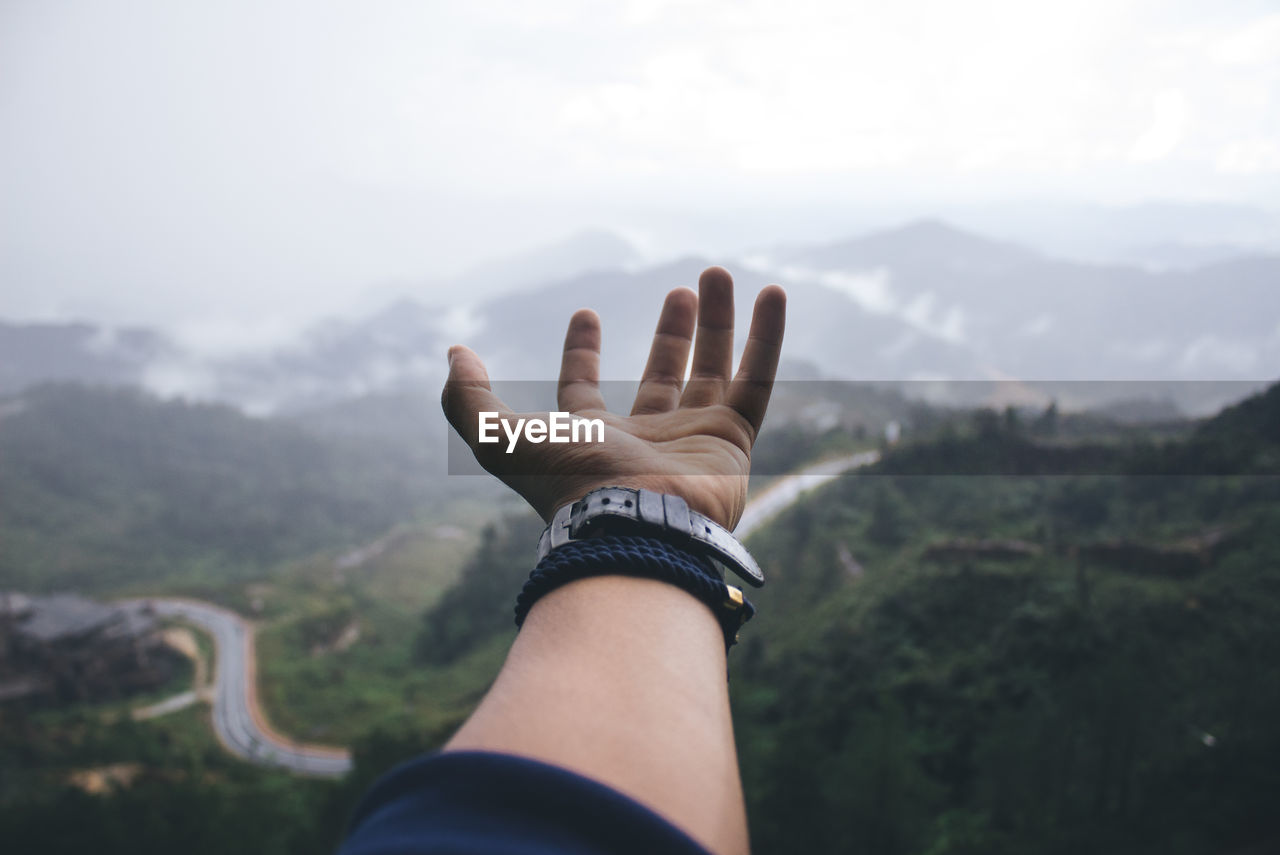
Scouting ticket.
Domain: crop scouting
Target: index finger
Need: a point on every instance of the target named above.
(753, 384)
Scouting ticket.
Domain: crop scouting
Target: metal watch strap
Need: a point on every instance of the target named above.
(644, 511)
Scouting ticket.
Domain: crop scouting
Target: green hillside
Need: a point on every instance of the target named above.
(105, 489)
(1075, 700)
(1099, 676)
(1076, 654)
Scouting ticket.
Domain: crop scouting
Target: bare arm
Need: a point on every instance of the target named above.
(618, 678)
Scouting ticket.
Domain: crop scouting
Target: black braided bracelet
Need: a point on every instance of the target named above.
(648, 557)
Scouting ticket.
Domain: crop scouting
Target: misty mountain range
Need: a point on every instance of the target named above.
(1159, 235)
(924, 302)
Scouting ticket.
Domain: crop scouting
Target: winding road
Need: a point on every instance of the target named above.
(237, 717)
(786, 490)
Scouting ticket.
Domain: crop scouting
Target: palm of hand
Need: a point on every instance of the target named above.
(693, 440)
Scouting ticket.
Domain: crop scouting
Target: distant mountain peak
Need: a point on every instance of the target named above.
(599, 240)
(928, 239)
(582, 252)
(402, 311)
(931, 227)
(939, 236)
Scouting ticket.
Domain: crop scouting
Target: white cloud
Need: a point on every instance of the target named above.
(1037, 326)
(347, 145)
(1168, 125)
(1256, 43)
(228, 336)
(180, 378)
(924, 314)
(1249, 157)
(1211, 353)
(459, 323)
(896, 349)
(1148, 350)
(871, 289)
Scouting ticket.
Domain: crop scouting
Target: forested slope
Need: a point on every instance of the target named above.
(1003, 663)
(104, 488)
(942, 663)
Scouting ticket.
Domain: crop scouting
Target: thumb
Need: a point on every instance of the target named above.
(467, 393)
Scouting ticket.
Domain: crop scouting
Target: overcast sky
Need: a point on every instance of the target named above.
(248, 164)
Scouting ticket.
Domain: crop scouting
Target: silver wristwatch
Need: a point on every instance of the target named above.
(627, 510)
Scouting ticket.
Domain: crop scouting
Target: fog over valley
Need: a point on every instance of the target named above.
(924, 301)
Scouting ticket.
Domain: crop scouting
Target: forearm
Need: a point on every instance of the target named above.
(623, 680)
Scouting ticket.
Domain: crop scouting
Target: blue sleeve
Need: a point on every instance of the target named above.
(472, 802)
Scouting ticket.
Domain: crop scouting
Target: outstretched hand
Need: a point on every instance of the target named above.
(692, 439)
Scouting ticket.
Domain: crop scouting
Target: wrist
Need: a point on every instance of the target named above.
(620, 510)
(641, 557)
(616, 616)
(721, 498)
